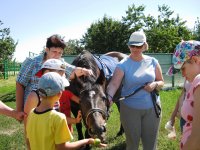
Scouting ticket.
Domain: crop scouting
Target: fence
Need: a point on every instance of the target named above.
(8, 68)
(165, 62)
(11, 68)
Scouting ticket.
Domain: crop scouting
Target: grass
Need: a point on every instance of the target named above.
(7, 89)
(12, 134)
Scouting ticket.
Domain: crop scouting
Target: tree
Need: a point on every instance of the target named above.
(134, 18)
(162, 33)
(106, 35)
(73, 47)
(7, 44)
(197, 30)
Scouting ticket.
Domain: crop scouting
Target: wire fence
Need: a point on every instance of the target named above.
(9, 68)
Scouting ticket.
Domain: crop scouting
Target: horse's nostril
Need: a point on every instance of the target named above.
(90, 131)
(103, 129)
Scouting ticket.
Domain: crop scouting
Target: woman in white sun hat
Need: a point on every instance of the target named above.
(137, 112)
(187, 59)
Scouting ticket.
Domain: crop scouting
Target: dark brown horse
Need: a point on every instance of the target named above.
(92, 92)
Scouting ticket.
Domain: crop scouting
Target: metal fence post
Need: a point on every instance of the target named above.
(14, 65)
(5, 69)
(173, 81)
(173, 78)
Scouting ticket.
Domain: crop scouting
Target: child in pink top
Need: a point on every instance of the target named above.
(187, 110)
(187, 59)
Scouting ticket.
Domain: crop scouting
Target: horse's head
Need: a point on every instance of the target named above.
(94, 106)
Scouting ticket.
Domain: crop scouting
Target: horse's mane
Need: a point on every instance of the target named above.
(86, 60)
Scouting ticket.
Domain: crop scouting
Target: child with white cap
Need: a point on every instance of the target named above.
(33, 100)
(187, 59)
(47, 128)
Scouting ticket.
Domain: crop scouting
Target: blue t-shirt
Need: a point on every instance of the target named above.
(136, 74)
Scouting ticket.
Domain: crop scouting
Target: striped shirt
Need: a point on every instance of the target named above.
(26, 75)
(29, 68)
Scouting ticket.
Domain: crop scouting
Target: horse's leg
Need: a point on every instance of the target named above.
(74, 109)
(121, 131)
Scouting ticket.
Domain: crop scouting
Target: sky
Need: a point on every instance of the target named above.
(31, 22)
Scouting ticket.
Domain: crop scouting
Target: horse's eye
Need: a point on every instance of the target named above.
(104, 98)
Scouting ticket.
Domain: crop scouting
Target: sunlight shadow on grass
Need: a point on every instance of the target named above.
(8, 97)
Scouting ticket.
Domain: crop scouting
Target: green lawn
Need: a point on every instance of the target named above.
(12, 135)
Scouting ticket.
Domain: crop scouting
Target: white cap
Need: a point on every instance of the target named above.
(55, 64)
(137, 38)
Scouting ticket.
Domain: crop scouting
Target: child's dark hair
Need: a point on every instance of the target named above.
(55, 41)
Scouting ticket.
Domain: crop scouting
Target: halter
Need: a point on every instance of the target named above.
(93, 110)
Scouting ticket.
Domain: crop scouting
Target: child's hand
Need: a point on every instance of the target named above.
(96, 142)
(79, 117)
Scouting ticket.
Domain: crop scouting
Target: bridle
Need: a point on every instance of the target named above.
(104, 113)
(93, 110)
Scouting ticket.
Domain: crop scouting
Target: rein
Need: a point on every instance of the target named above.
(134, 92)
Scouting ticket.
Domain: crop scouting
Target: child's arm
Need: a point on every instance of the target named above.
(28, 144)
(31, 102)
(75, 120)
(75, 98)
(77, 144)
(174, 113)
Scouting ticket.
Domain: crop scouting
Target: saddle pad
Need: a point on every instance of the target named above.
(107, 64)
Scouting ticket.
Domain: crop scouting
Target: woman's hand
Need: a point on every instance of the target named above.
(151, 86)
(86, 72)
(19, 115)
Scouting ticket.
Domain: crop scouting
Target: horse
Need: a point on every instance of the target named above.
(94, 104)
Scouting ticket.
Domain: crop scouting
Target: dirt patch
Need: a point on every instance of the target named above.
(9, 132)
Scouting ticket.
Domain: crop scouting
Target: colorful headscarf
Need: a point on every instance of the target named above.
(184, 51)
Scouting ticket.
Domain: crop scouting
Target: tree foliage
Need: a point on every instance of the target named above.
(106, 35)
(7, 44)
(73, 47)
(163, 32)
(134, 18)
(197, 30)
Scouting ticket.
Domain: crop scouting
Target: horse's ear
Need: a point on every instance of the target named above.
(101, 79)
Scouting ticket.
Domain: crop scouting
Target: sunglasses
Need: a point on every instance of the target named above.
(134, 46)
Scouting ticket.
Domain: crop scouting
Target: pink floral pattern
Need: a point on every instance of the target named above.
(184, 51)
(187, 110)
